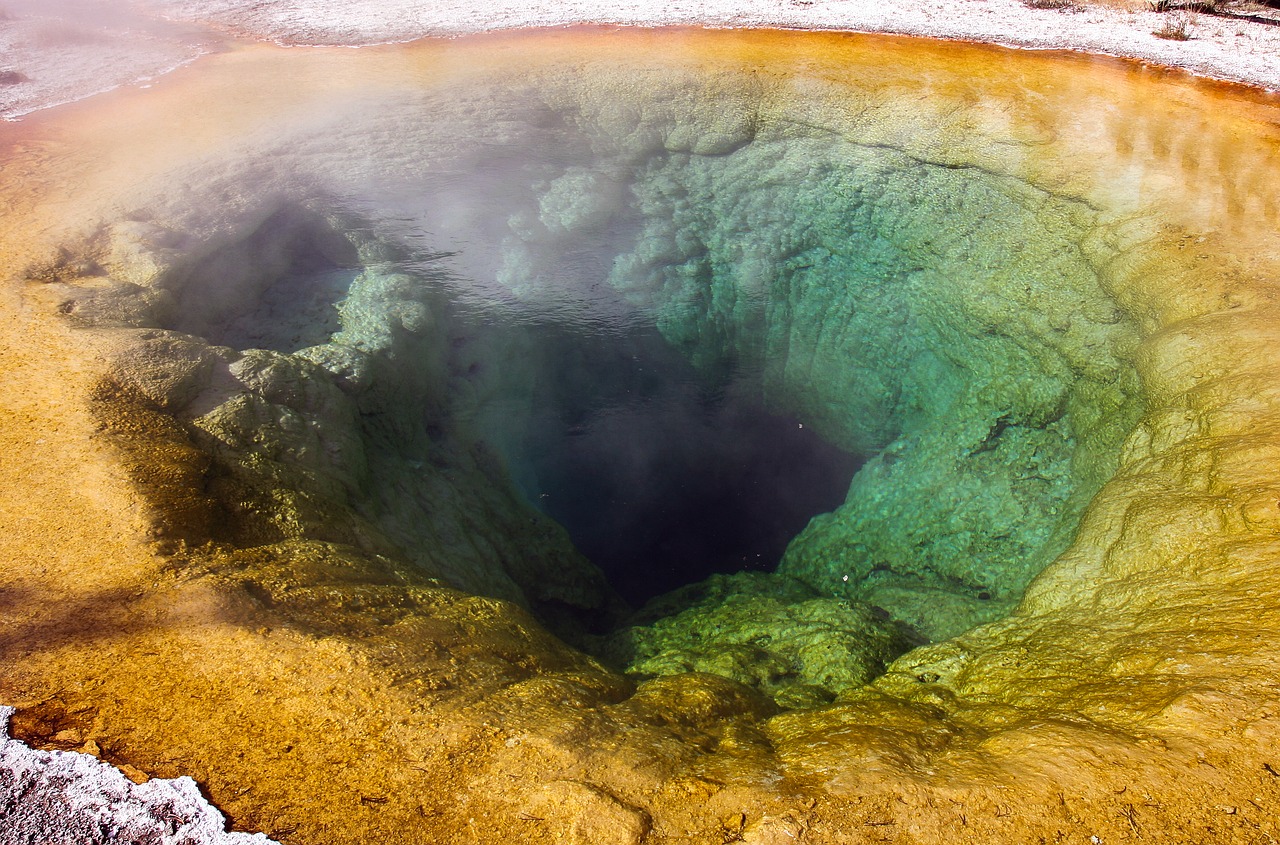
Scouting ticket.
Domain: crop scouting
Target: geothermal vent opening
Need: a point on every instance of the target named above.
(760, 399)
(661, 474)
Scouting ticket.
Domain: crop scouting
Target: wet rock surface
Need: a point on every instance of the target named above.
(1129, 691)
(766, 631)
(577, 814)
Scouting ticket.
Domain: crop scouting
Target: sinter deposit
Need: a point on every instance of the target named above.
(295, 316)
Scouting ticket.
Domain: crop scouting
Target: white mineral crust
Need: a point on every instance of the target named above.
(55, 797)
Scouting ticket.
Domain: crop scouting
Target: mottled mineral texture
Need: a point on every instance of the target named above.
(255, 533)
(65, 796)
(765, 631)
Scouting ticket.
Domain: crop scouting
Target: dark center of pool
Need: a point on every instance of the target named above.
(664, 475)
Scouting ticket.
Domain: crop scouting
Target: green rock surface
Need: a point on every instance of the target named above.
(765, 631)
(948, 323)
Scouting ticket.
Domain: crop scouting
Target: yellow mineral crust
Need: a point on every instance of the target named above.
(324, 695)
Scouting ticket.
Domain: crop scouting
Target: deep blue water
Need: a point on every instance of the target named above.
(662, 474)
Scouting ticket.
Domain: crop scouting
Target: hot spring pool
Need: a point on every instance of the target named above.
(656, 436)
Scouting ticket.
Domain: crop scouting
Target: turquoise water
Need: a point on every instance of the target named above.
(585, 348)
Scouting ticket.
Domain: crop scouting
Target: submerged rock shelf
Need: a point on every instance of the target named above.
(326, 365)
